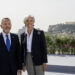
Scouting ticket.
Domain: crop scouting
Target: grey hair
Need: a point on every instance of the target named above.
(5, 19)
(25, 19)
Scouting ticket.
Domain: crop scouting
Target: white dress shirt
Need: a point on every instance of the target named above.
(29, 40)
(4, 37)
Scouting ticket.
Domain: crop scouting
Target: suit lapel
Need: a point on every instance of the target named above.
(25, 40)
(3, 43)
(33, 39)
(12, 41)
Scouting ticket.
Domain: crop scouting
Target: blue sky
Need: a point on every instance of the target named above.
(46, 12)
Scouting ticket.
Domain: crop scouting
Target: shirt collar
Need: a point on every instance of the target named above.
(26, 32)
(4, 34)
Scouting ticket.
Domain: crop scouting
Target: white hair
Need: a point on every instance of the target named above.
(25, 19)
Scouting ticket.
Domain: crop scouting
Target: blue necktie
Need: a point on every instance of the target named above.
(7, 43)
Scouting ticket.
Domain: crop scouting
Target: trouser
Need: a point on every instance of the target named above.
(31, 69)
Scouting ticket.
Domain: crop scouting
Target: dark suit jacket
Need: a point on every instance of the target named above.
(10, 62)
(38, 50)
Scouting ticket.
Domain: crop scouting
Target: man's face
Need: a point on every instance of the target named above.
(29, 23)
(6, 26)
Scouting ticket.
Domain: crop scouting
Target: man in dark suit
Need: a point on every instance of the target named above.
(33, 45)
(10, 52)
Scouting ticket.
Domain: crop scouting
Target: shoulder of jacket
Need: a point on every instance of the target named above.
(22, 34)
(39, 32)
(13, 34)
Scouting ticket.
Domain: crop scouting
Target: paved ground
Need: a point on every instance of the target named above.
(60, 65)
(61, 69)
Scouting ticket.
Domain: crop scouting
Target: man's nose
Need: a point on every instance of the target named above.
(8, 25)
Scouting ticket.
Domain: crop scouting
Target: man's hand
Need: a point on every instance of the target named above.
(19, 72)
(44, 67)
(23, 67)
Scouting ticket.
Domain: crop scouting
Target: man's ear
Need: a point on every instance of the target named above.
(1, 26)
